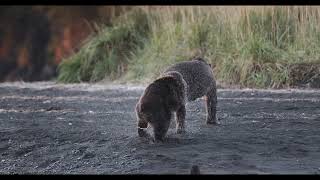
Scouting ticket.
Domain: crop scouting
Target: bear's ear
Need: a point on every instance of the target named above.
(199, 58)
(210, 65)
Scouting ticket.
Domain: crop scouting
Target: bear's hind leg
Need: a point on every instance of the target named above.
(181, 114)
(211, 106)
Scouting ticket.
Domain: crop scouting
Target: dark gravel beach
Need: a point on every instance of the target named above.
(49, 128)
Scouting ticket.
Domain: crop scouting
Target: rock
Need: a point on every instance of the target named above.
(195, 170)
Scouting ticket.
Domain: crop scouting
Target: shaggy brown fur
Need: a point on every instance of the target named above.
(158, 102)
(180, 83)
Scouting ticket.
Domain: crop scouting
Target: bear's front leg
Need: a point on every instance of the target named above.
(142, 125)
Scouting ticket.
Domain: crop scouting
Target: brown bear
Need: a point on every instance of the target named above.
(180, 83)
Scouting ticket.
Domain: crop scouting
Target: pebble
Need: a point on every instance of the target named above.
(47, 101)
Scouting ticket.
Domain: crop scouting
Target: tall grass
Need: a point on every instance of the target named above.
(249, 46)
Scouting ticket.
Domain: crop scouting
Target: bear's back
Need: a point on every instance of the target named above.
(198, 76)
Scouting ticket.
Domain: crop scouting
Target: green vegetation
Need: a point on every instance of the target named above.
(262, 47)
